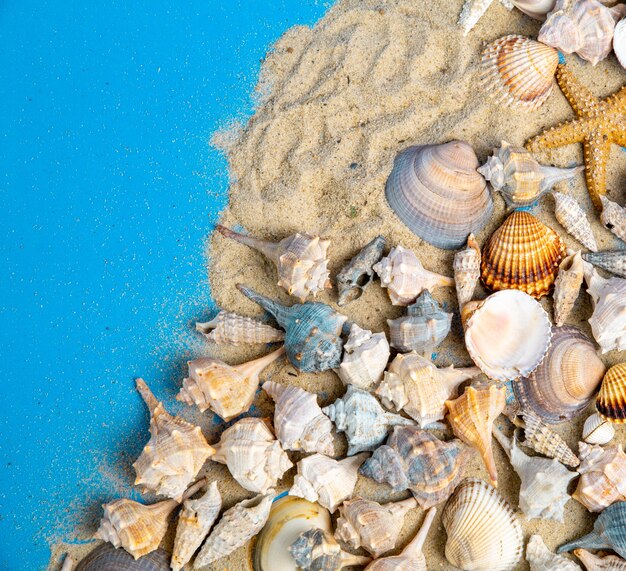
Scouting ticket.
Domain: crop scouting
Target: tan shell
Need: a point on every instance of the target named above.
(228, 328)
(467, 271)
(611, 401)
(593, 562)
(613, 215)
(227, 390)
(567, 286)
(541, 558)
(317, 550)
(573, 218)
(472, 12)
(597, 430)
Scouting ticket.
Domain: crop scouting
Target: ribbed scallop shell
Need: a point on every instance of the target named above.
(522, 254)
(228, 328)
(597, 430)
(611, 401)
(105, 557)
(484, 534)
(467, 271)
(567, 286)
(573, 218)
(613, 215)
(518, 71)
(564, 383)
(359, 273)
(541, 558)
(317, 550)
(539, 437)
(536, 9)
(437, 192)
(614, 262)
(593, 562)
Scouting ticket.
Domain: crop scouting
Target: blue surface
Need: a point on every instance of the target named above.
(109, 188)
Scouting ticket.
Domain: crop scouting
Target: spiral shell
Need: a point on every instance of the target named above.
(597, 430)
(567, 286)
(573, 218)
(228, 328)
(467, 271)
(105, 557)
(545, 441)
(541, 558)
(611, 401)
(613, 215)
(317, 550)
(595, 563)
(614, 262)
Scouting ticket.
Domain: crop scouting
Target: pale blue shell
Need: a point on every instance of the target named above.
(108, 558)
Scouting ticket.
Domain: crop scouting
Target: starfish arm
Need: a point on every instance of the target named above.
(562, 134)
(596, 150)
(617, 101)
(579, 97)
(619, 138)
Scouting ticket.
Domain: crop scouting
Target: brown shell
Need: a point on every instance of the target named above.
(611, 401)
(522, 254)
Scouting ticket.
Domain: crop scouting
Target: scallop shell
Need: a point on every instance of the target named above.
(175, 453)
(227, 390)
(301, 260)
(365, 357)
(614, 262)
(325, 480)
(299, 422)
(537, 9)
(368, 524)
(541, 558)
(359, 273)
(522, 254)
(405, 278)
(613, 215)
(237, 526)
(194, 522)
(437, 192)
(594, 563)
(253, 456)
(564, 384)
(467, 271)
(416, 386)
(317, 550)
(567, 286)
(416, 460)
(228, 328)
(518, 71)
(484, 534)
(105, 557)
(573, 218)
(365, 423)
(597, 430)
(611, 401)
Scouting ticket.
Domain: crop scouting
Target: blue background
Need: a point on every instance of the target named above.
(108, 188)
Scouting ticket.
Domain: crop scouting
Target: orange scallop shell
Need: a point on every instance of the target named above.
(522, 254)
(611, 401)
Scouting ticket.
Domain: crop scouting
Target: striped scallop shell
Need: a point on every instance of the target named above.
(611, 401)
(519, 71)
(522, 254)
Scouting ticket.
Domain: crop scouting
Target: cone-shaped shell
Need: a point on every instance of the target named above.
(597, 430)
(564, 383)
(522, 254)
(611, 401)
(573, 218)
(467, 271)
(437, 192)
(593, 562)
(228, 328)
(539, 437)
(613, 215)
(614, 262)
(359, 273)
(105, 557)
(484, 534)
(541, 558)
(518, 71)
(317, 550)
(567, 286)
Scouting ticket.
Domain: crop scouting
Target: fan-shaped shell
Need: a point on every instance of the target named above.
(597, 430)
(359, 273)
(595, 563)
(614, 262)
(613, 215)
(317, 550)
(228, 328)
(437, 192)
(541, 558)
(611, 401)
(467, 271)
(573, 218)
(105, 557)
(567, 286)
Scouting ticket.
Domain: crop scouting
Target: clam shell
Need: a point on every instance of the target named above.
(522, 254)
(228, 328)
(613, 215)
(317, 550)
(518, 71)
(567, 286)
(105, 557)
(573, 218)
(537, 9)
(611, 401)
(542, 439)
(614, 262)
(597, 430)
(541, 558)
(595, 563)
(467, 271)
(436, 191)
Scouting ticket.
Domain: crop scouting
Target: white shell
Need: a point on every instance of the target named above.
(619, 41)
(228, 328)
(573, 218)
(471, 13)
(467, 271)
(613, 215)
(593, 562)
(597, 430)
(537, 9)
(68, 563)
(542, 559)
(567, 286)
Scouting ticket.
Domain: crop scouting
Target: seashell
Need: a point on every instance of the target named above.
(537, 9)
(581, 26)
(518, 71)
(619, 43)
(542, 559)
(567, 286)
(405, 278)
(611, 401)
(540, 438)
(68, 563)
(602, 476)
(289, 517)
(105, 557)
(608, 297)
(597, 430)
(411, 558)
(194, 522)
(565, 382)
(522, 181)
(613, 215)
(416, 386)
(136, 527)
(472, 12)
(365, 357)
(325, 480)
(253, 456)
(227, 390)
(317, 550)
(416, 460)
(423, 328)
(594, 563)
(467, 271)
(237, 526)
(436, 191)
(359, 273)
(228, 328)
(471, 417)
(364, 421)
(367, 524)
(609, 532)
(522, 254)
(299, 421)
(614, 262)
(301, 261)
(484, 534)
(573, 218)
(312, 331)
(543, 492)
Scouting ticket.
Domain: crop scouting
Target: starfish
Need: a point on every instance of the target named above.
(598, 125)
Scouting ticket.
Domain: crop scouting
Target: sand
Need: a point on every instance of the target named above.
(336, 103)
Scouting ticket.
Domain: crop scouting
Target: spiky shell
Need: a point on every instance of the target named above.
(614, 262)
(359, 273)
(573, 218)
(467, 271)
(106, 557)
(227, 390)
(317, 550)
(471, 13)
(565, 382)
(522, 254)
(416, 386)
(365, 423)
(299, 421)
(597, 430)
(534, 8)
(613, 215)
(416, 460)
(365, 357)
(611, 401)
(540, 438)
(405, 278)
(253, 456)
(228, 328)
(541, 558)
(567, 286)
(595, 563)
(237, 526)
(484, 534)
(325, 480)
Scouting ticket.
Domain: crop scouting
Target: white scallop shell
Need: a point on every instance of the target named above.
(541, 558)
(597, 430)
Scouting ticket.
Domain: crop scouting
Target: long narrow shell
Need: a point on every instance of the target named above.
(541, 558)
(228, 328)
(573, 218)
(567, 286)
(611, 401)
(595, 563)
(107, 558)
(597, 430)
(613, 215)
(359, 273)
(614, 262)
(471, 13)
(68, 563)
(540, 438)
(467, 271)
(317, 550)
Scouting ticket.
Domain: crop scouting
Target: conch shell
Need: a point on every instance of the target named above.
(228, 328)
(573, 218)
(614, 262)
(317, 550)
(541, 558)
(567, 286)
(467, 271)
(597, 430)
(611, 401)
(595, 563)
(613, 215)
(105, 557)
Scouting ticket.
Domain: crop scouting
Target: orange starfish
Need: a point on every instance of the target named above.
(598, 124)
